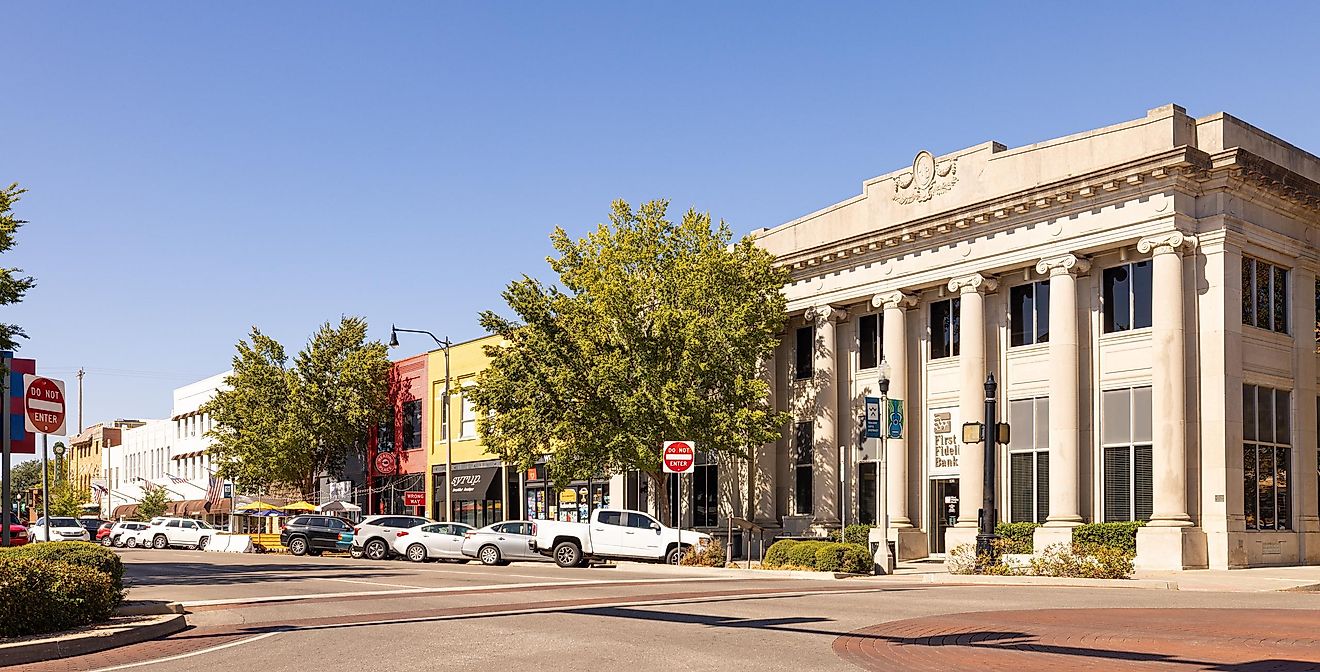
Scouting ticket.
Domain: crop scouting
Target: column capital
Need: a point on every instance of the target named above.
(1067, 263)
(825, 313)
(975, 282)
(1166, 243)
(893, 300)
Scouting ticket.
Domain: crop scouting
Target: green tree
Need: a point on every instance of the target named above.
(65, 498)
(287, 425)
(152, 504)
(658, 333)
(13, 284)
(24, 476)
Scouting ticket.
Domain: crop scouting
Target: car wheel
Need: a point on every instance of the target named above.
(376, 550)
(160, 542)
(673, 557)
(107, 542)
(355, 552)
(489, 555)
(131, 543)
(567, 554)
(298, 546)
(201, 543)
(417, 553)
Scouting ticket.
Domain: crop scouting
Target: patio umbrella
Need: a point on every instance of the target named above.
(338, 506)
(299, 506)
(256, 506)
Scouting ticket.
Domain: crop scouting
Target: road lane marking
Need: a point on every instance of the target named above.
(371, 583)
(181, 656)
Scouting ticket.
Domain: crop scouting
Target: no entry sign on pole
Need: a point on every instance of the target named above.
(679, 456)
(43, 400)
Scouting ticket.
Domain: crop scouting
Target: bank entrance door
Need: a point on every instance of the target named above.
(943, 510)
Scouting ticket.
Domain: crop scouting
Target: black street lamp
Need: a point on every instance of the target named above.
(444, 410)
(985, 539)
(882, 560)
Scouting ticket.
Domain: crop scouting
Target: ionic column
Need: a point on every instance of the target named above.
(1064, 404)
(1168, 380)
(895, 305)
(825, 467)
(763, 469)
(971, 400)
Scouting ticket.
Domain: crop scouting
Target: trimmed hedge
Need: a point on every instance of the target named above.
(777, 554)
(1122, 536)
(821, 556)
(853, 534)
(804, 554)
(1017, 535)
(38, 596)
(710, 556)
(82, 553)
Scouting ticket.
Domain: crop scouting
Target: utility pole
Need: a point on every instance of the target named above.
(80, 405)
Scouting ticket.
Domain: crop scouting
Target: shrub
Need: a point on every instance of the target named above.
(804, 554)
(1018, 535)
(39, 596)
(1084, 562)
(81, 553)
(1122, 536)
(777, 554)
(961, 559)
(829, 557)
(710, 556)
(857, 560)
(853, 534)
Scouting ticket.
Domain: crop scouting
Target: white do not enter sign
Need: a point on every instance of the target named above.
(679, 456)
(43, 404)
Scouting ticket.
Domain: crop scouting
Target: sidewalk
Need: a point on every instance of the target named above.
(1254, 580)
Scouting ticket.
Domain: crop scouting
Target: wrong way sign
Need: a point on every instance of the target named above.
(679, 456)
(43, 404)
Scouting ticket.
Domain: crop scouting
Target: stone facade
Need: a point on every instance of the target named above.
(1142, 294)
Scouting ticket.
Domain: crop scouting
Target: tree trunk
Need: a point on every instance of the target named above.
(660, 488)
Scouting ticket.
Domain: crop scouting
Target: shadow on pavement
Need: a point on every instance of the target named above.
(144, 574)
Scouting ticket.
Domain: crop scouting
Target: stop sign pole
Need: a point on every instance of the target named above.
(678, 458)
(44, 413)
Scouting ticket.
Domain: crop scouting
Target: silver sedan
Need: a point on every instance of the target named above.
(502, 543)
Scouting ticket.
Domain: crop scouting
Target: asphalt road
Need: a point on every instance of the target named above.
(279, 613)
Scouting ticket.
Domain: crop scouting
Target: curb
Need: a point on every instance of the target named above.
(741, 572)
(972, 580)
(91, 641)
(148, 608)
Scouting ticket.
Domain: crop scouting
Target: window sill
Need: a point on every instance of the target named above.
(1033, 348)
(1124, 336)
(1252, 331)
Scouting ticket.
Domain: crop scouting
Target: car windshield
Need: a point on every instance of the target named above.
(63, 522)
(202, 524)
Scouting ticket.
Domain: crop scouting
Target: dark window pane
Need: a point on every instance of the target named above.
(939, 330)
(1265, 487)
(1043, 312)
(1117, 297)
(1262, 295)
(1143, 482)
(868, 492)
(803, 491)
(955, 312)
(805, 352)
(1141, 294)
(1042, 486)
(1249, 292)
(412, 424)
(1020, 314)
(1264, 415)
(1282, 421)
(1021, 481)
(1279, 308)
(868, 341)
(1282, 469)
(1249, 412)
(610, 518)
(805, 437)
(1118, 485)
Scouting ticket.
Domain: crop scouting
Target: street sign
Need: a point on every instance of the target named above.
(43, 401)
(679, 457)
(872, 417)
(386, 464)
(895, 416)
(414, 498)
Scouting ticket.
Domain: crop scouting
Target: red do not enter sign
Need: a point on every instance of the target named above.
(43, 402)
(679, 456)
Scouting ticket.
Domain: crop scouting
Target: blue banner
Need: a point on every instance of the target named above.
(872, 418)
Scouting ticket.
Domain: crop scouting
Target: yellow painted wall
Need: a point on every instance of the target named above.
(466, 360)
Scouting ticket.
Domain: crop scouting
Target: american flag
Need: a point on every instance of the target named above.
(176, 480)
(97, 491)
(215, 491)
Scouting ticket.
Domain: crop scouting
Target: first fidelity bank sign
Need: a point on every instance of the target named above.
(943, 441)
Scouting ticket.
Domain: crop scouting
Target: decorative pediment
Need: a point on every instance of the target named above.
(927, 178)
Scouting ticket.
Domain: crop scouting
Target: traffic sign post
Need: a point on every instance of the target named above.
(678, 458)
(43, 405)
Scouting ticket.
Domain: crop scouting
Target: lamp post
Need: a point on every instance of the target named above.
(883, 561)
(444, 411)
(985, 538)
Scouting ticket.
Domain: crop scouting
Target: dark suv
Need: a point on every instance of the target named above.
(309, 535)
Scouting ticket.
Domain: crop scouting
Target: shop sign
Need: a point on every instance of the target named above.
(386, 464)
(945, 444)
(414, 498)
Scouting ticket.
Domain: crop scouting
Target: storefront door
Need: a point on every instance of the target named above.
(943, 510)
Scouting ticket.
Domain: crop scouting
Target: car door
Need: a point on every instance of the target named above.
(607, 533)
(189, 532)
(643, 536)
(436, 539)
(331, 528)
(514, 541)
(319, 537)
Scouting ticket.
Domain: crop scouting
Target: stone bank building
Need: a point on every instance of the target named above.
(1143, 294)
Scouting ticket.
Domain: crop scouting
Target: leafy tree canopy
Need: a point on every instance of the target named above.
(658, 333)
(153, 503)
(13, 284)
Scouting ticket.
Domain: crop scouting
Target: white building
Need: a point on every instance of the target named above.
(189, 443)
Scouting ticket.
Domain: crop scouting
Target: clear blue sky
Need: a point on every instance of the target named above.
(198, 168)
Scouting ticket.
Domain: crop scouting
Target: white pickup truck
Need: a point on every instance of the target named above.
(613, 534)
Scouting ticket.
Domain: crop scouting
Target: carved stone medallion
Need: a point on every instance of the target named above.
(926, 179)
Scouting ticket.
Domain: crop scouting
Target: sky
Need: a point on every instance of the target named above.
(195, 169)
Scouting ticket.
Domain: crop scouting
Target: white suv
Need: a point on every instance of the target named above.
(171, 532)
(374, 537)
(59, 529)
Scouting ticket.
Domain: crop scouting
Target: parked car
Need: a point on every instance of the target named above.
(103, 533)
(172, 532)
(310, 535)
(432, 541)
(613, 534)
(18, 535)
(142, 537)
(374, 536)
(502, 543)
(60, 529)
(123, 533)
(344, 543)
(92, 525)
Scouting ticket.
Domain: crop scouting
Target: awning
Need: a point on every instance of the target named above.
(473, 484)
(338, 506)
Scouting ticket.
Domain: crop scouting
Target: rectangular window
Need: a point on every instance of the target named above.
(1127, 297)
(385, 433)
(804, 353)
(1265, 295)
(412, 424)
(705, 492)
(1125, 432)
(1266, 458)
(1029, 313)
(944, 328)
(804, 440)
(468, 430)
(1029, 460)
(870, 341)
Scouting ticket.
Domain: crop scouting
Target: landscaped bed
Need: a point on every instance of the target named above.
(49, 587)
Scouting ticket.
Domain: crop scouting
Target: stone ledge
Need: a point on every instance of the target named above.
(991, 580)
(93, 639)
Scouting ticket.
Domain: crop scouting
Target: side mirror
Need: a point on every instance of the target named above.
(656, 527)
